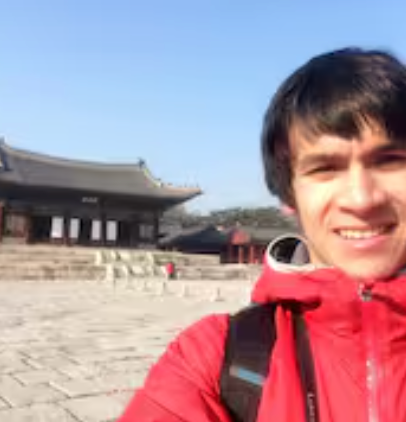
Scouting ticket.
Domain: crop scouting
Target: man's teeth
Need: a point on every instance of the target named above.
(361, 234)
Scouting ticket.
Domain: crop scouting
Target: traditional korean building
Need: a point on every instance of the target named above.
(207, 239)
(247, 245)
(242, 245)
(58, 200)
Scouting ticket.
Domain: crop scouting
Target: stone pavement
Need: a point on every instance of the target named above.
(75, 352)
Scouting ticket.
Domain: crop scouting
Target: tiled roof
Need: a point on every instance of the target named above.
(197, 236)
(261, 234)
(32, 169)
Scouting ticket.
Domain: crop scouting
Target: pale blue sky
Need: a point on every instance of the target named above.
(182, 84)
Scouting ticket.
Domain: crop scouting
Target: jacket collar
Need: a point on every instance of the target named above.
(289, 276)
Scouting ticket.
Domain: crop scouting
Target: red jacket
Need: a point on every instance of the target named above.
(358, 340)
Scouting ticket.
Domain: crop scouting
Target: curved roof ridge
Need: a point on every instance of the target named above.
(160, 184)
(70, 161)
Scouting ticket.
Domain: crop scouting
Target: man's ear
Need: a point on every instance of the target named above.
(287, 210)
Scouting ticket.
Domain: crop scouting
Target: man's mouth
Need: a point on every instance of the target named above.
(364, 233)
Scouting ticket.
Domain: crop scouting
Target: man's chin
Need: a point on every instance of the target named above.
(365, 274)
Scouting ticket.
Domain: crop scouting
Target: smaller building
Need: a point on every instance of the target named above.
(244, 245)
(247, 245)
(206, 239)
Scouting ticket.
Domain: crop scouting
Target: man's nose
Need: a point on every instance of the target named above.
(362, 191)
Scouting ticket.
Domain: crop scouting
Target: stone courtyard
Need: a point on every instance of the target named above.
(76, 351)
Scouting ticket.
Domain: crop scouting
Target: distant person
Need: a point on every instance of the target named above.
(170, 270)
(327, 339)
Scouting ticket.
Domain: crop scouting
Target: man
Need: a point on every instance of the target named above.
(334, 151)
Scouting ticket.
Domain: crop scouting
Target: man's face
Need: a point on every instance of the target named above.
(350, 197)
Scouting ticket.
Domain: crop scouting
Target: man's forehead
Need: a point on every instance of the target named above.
(371, 138)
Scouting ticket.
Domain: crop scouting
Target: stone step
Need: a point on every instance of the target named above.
(213, 272)
(26, 272)
(53, 262)
(39, 255)
(56, 249)
(186, 259)
(33, 264)
(44, 255)
(156, 257)
(17, 259)
(219, 272)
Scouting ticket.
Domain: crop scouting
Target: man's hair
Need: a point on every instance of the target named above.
(336, 93)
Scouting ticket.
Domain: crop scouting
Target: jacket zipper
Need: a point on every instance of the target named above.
(371, 366)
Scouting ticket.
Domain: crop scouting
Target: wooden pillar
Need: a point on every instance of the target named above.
(1, 220)
(262, 253)
(135, 232)
(103, 229)
(156, 228)
(66, 226)
(258, 255)
(229, 257)
(240, 254)
(130, 223)
(251, 258)
(26, 227)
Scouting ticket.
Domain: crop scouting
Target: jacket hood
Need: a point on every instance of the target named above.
(288, 275)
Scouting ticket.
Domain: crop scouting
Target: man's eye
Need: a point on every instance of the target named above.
(391, 160)
(322, 170)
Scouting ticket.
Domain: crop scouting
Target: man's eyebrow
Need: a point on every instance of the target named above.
(314, 159)
(311, 160)
(389, 148)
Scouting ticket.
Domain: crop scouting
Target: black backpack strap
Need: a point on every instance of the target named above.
(306, 368)
(249, 343)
